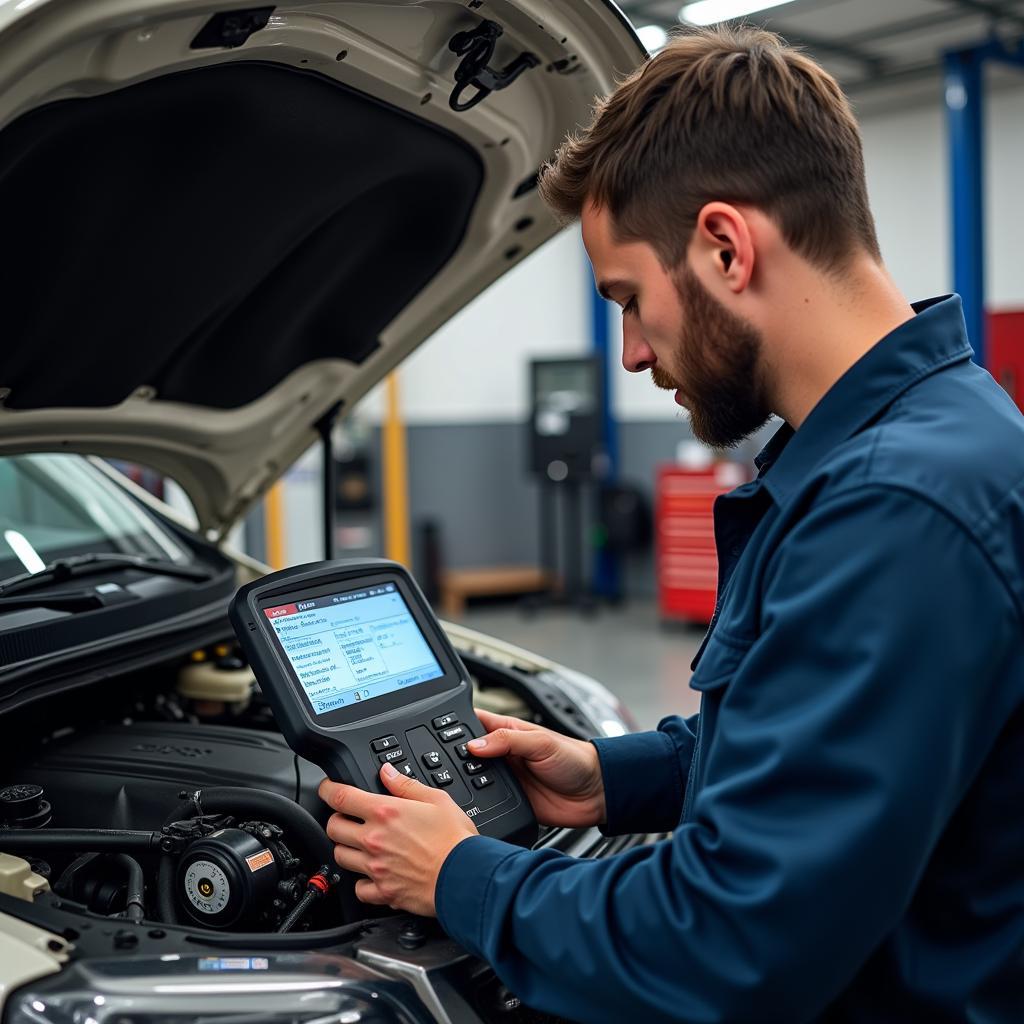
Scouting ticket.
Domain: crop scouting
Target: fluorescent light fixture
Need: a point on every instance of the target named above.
(654, 37)
(711, 12)
(27, 554)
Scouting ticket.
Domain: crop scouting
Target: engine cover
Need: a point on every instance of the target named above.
(129, 776)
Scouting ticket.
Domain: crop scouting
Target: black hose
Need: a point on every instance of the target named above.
(260, 805)
(165, 905)
(83, 839)
(298, 912)
(295, 941)
(135, 908)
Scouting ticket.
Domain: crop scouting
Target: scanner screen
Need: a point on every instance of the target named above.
(351, 647)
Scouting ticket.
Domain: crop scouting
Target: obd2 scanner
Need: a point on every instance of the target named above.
(359, 672)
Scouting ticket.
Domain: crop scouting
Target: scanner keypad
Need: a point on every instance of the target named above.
(433, 745)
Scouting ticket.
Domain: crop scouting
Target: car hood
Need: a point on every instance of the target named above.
(222, 224)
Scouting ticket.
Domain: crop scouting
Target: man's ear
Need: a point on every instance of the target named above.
(723, 246)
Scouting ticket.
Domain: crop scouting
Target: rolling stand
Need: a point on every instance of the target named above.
(565, 445)
(562, 551)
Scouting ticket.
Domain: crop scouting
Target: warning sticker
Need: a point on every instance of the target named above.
(259, 860)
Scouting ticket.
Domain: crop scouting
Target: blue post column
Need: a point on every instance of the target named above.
(607, 577)
(965, 118)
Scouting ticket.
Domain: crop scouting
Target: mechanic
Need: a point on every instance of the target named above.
(846, 811)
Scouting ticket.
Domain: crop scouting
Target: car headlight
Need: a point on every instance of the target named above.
(604, 710)
(180, 989)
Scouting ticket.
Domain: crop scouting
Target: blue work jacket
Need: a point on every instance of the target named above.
(848, 808)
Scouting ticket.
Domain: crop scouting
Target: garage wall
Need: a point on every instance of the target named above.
(464, 392)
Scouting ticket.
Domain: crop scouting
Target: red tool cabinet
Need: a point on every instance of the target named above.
(1006, 352)
(687, 566)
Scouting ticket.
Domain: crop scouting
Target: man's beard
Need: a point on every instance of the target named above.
(719, 358)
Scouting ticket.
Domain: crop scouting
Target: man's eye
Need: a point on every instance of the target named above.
(631, 307)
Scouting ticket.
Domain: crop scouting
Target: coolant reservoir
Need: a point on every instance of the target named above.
(17, 878)
(217, 686)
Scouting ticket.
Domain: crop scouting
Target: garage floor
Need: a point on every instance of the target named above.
(644, 662)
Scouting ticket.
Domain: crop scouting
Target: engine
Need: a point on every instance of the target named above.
(130, 775)
(172, 797)
(218, 826)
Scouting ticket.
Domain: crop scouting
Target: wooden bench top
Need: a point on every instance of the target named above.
(458, 584)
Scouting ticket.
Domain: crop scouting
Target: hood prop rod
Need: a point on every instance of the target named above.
(325, 428)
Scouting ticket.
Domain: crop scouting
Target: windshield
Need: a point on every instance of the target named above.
(54, 506)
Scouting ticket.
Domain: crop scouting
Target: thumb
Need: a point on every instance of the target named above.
(532, 745)
(401, 785)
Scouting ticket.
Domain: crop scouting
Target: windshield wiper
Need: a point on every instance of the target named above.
(87, 565)
(62, 601)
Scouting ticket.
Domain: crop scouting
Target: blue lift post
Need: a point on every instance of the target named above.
(965, 114)
(607, 576)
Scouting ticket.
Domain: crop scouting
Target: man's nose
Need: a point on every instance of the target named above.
(637, 355)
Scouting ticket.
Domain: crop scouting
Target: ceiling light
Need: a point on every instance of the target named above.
(654, 37)
(710, 12)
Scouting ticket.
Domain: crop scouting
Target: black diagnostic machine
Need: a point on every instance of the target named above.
(359, 672)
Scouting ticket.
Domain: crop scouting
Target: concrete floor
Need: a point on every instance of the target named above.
(641, 660)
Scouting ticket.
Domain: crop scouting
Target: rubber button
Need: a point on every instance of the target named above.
(432, 759)
(398, 754)
(473, 767)
(384, 743)
(443, 778)
(456, 732)
(483, 781)
(445, 720)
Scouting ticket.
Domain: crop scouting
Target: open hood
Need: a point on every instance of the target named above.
(220, 223)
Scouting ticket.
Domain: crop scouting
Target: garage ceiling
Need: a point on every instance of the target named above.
(884, 52)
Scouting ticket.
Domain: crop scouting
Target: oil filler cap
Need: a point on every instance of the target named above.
(24, 805)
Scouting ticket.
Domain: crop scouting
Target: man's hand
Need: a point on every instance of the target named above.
(561, 776)
(399, 842)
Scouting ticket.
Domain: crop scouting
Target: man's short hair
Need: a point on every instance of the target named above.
(730, 114)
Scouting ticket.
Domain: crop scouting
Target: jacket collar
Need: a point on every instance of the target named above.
(935, 338)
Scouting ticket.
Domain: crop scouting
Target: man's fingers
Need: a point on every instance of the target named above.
(356, 803)
(351, 860)
(341, 830)
(533, 745)
(409, 789)
(367, 892)
(492, 722)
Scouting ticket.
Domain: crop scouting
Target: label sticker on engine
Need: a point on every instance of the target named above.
(259, 860)
(234, 963)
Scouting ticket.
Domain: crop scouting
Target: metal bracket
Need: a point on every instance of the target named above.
(228, 29)
(476, 47)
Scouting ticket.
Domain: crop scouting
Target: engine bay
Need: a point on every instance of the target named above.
(172, 797)
(156, 821)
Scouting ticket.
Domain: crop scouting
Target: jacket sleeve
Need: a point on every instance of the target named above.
(644, 776)
(846, 737)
